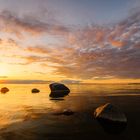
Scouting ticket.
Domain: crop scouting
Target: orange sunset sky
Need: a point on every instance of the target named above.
(70, 41)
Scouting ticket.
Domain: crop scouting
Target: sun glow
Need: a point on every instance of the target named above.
(3, 70)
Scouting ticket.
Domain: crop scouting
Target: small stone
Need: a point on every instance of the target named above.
(68, 112)
(35, 90)
(4, 90)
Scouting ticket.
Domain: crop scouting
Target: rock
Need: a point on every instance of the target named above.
(111, 118)
(67, 112)
(35, 90)
(4, 90)
(110, 112)
(58, 90)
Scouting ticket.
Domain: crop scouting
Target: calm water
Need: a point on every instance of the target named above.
(32, 116)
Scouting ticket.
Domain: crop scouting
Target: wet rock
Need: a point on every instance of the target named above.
(58, 90)
(111, 113)
(68, 112)
(4, 90)
(35, 90)
(111, 118)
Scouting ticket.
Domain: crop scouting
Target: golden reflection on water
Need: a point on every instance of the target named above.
(20, 105)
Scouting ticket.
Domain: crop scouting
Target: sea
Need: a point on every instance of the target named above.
(28, 116)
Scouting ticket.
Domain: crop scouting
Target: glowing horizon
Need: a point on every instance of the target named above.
(74, 42)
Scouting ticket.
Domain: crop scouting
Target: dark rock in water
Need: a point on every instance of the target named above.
(111, 113)
(35, 90)
(4, 90)
(58, 90)
(68, 112)
(111, 118)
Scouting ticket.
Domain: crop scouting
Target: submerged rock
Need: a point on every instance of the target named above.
(4, 90)
(35, 90)
(111, 118)
(111, 113)
(58, 90)
(68, 112)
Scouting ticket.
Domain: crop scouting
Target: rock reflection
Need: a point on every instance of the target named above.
(57, 99)
(112, 127)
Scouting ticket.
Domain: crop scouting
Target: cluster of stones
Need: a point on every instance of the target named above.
(107, 114)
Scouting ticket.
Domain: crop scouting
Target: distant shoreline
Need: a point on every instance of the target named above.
(81, 83)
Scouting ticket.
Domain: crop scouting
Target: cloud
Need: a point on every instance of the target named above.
(25, 82)
(103, 78)
(38, 49)
(117, 43)
(33, 59)
(67, 81)
(104, 52)
(97, 52)
(3, 77)
(12, 23)
(93, 52)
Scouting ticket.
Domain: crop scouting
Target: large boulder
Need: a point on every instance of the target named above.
(111, 118)
(35, 90)
(58, 90)
(110, 112)
(4, 90)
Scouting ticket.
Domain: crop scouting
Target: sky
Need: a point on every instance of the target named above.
(72, 41)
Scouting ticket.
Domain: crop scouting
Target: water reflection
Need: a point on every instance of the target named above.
(112, 127)
(27, 116)
(57, 99)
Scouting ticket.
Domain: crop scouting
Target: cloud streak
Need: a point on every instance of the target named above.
(93, 52)
(12, 23)
(104, 51)
(25, 82)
